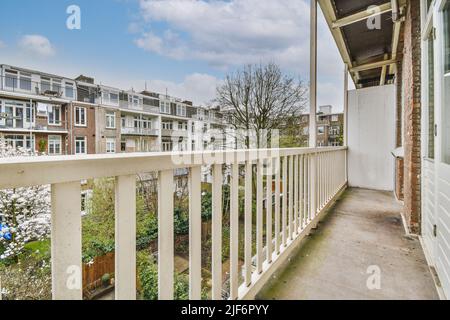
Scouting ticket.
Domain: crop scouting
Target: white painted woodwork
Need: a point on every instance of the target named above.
(66, 241)
(284, 202)
(269, 211)
(370, 157)
(291, 198)
(248, 222)
(195, 231)
(259, 216)
(277, 205)
(234, 232)
(313, 75)
(294, 208)
(125, 236)
(165, 235)
(217, 232)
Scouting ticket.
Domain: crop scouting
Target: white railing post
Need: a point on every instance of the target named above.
(313, 186)
(269, 210)
(195, 232)
(277, 204)
(217, 232)
(248, 222)
(296, 193)
(259, 216)
(291, 197)
(234, 232)
(165, 235)
(66, 241)
(284, 202)
(125, 235)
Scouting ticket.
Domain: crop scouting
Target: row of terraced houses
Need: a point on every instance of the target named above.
(60, 116)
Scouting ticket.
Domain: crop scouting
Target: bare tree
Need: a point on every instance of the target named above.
(260, 99)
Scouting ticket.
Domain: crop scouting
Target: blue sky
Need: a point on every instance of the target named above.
(184, 46)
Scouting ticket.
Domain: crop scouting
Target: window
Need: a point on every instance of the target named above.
(182, 126)
(54, 145)
(124, 122)
(70, 91)
(134, 101)
(80, 145)
(446, 89)
(20, 141)
(25, 81)
(80, 116)
(167, 146)
(11, 79)
(167, 125)
(164, 107)
(110, 97)
(54, 115)
(110, 120)
(193, 145)
(114, 98)
(14, 114)
(56, 85)
(123, 146)
(335, 118)
(110, 145)
(321, 130)
(181, 110)
(45, 84)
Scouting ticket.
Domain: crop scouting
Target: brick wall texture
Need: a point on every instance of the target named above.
(411, 92)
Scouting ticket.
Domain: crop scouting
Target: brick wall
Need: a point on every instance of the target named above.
(411, 86)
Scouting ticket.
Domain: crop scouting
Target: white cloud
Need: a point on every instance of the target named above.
(229, 34)
(37, 44)
(198, 88)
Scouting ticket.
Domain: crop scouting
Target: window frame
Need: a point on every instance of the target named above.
(111, 142)
(84, 140)
(110, 116)
(51, 141)
(80, 123)
(53, 109)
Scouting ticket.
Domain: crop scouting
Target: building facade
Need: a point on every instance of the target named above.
(329, 127)
(54, 115)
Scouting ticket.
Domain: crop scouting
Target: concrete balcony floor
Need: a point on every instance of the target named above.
(363, 229)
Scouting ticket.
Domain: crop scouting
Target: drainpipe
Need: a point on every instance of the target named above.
(395, 11)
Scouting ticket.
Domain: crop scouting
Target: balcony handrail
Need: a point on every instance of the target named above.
(307, 182)
(21, 171)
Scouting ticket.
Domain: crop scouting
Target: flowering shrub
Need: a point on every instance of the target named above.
(24, 212)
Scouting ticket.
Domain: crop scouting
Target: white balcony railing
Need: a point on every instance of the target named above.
(139, 131)
(304, 183)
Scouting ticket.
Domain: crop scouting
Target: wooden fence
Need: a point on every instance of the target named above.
(93, 272)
